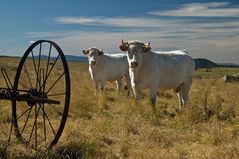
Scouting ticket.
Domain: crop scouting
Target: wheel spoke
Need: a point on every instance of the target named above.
(23, 113)
(9, 137)
(41, 78)
(26, 121)
(49, 121)
(36, 124)
(36, 68)
(39, 63)
(44, 122)
(6, 78)
(28, 77)
(58, 112)
(23, 84)
(47, 66)
(48, 74)
(34, 63)
(55, 82)
(35, 121)
(57, 94)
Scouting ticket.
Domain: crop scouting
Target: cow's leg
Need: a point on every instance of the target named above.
(128, 83)
(135, 91)
(153, 94)
(179, 90)
(185, 95)
(119, 86)
(96, 83)
(185, 91)
(180, 97)
(102, 87)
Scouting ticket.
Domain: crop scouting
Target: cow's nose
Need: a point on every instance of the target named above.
(93, 62)
(134, 64)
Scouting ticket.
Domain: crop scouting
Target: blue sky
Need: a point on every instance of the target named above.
(205, 28)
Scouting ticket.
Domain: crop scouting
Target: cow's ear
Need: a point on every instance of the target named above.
(146, 48)
(85, 52)
(101, 52)
(124, 47)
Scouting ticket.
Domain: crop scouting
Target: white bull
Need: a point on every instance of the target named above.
(158, 70)
(107, 67)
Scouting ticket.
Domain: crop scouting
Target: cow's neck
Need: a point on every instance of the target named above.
(144, 66)
(99, 64)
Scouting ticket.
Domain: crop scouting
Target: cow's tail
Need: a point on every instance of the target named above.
(125, 88)
(185, 51)
(193, 70)
(192, 64)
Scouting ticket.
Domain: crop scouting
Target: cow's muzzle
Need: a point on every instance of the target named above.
(134, 64)
(93, 62)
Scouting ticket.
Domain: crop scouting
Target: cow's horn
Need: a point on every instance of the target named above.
(124, 43)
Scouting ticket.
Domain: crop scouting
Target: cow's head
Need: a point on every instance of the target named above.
(93, 54)
(134, 49)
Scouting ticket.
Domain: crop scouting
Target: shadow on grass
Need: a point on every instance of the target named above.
(76, 150)
(3, 149)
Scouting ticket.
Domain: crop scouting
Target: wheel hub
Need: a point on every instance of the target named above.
(34, 93)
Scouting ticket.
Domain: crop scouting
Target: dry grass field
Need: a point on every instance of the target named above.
(117, 127)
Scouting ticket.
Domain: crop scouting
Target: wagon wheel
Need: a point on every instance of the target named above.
(42, 70)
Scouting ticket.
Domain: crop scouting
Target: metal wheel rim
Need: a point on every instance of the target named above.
(67, 96)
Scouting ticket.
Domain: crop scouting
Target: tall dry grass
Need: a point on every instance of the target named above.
(112, 127)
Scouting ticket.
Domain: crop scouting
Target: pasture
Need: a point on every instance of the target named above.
(117, 127)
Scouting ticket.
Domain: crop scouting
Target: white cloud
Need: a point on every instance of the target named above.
(222, 49)
(32, 41)
(115, 21)
(44, 34)
(216, 40)
(216, 9)
(185, 28)
(76, 20)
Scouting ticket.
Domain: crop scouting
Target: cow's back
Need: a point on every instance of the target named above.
(113, 66)
(166, 69)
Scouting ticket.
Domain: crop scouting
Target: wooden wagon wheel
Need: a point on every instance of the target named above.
(42, 71)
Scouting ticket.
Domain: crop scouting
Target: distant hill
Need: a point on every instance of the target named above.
(204, 63)
(6, 56)
(68, 57)
(76, 58)
(72, 58)
(227, 65)
(199, 62)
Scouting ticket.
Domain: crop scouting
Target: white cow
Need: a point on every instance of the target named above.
(158, 70)
(107, 67)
